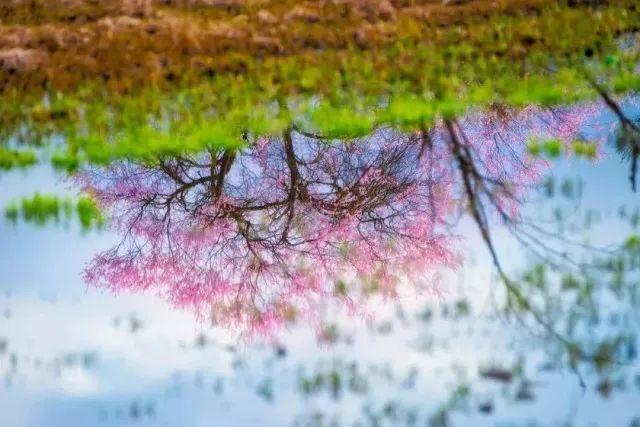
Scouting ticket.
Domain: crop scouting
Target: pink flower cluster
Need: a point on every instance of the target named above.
(261, 237)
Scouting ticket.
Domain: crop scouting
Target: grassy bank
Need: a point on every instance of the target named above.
(137, 78)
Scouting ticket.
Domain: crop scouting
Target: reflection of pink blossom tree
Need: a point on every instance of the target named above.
(257, 237)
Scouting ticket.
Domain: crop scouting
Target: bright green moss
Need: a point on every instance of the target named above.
(65, 162)
(633, 243)
(337, 122)
(408, 112)
(43, 209)
(584, 149)
(10, 159)
(89, 213)
(551, 148)
(535, 148)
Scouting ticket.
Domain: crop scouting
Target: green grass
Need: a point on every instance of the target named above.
(425, 73)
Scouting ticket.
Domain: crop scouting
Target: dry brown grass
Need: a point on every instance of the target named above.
(123, 44)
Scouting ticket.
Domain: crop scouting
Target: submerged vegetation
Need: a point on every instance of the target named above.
(42, 209)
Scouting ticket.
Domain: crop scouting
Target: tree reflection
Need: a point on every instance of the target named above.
(258, 237)
(261, 233)
(595, 308)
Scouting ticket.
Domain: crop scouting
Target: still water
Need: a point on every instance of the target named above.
(76, 355)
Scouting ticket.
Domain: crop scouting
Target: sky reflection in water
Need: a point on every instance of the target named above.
(72, 355)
